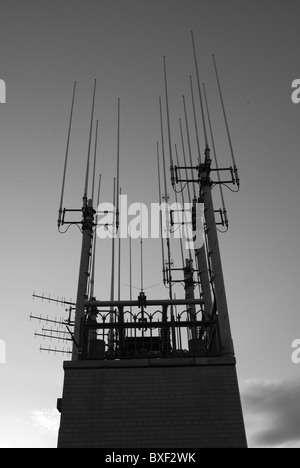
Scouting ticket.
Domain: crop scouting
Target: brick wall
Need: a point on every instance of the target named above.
(192, 403)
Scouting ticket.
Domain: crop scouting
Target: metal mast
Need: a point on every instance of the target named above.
(88, 213)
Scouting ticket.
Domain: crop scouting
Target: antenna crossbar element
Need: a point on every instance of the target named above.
(53, 337)
(42, 319)
(55, 351)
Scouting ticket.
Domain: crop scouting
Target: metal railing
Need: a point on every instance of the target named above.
(119, 334)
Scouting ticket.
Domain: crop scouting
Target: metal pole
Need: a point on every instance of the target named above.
(218, 278)
(86, 251)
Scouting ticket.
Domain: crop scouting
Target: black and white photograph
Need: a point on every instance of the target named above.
(149, 191)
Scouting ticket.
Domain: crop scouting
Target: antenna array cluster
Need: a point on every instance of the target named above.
(192, 182)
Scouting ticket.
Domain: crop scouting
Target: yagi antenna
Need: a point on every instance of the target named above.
(226, 123)
(85, 196)
(66, 160)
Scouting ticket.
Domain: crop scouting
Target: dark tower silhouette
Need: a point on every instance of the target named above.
(153, 372)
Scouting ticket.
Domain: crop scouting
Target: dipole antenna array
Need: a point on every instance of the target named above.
(200, 176)
(202, 260)
(86, 223)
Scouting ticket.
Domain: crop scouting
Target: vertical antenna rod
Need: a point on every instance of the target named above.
(199, 89)
(186, 171)
(119, 268)
(130, 267)
(163, 151)
(142, 259)
(195, 121)
(95, 160)
(118, 168)
(112, 285)
(189, 145)
(168, 122)
(180, 224)
(166, 201)
(92, 291)
(85, 196)
(226, 123)
(184, 159)
(215, 156)
(183, 205)
(66, 160)
(161, 221)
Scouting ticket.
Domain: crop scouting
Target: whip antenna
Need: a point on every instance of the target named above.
(85, 196)
(226, 124)
(66, 160)
(199, 89)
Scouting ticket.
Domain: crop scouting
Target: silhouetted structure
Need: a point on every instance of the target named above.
(156, 373)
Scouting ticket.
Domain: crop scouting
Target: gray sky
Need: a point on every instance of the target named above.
(44, 47)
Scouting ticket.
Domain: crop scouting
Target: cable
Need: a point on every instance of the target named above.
(64, 232)
(181, 190)
(222, 232)
(234, 191)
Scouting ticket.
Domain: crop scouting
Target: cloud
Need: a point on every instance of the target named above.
(272, 413)
(47, 419)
